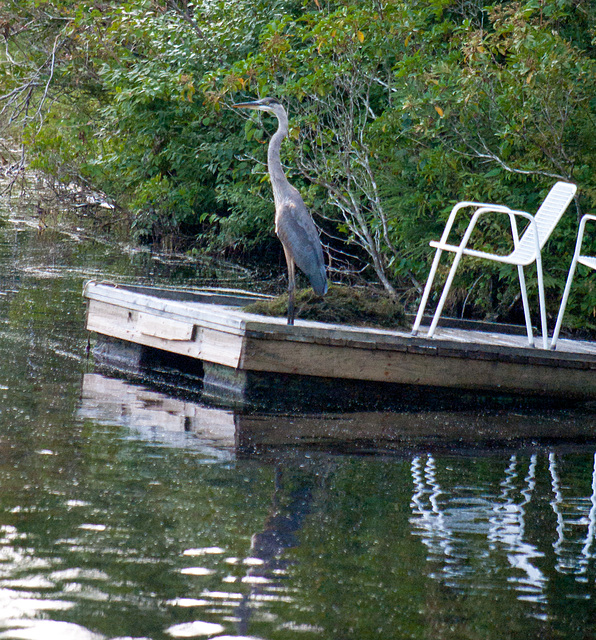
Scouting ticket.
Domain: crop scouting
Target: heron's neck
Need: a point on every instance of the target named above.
(279, 182)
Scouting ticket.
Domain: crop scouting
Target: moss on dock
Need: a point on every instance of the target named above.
(340, 305)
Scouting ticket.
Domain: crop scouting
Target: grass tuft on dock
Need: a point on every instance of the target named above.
(340, 305)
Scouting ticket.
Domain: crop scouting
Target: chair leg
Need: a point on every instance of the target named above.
(524, 295)
(443, 297)
(426, 293)
(541, 302)
(553, 342)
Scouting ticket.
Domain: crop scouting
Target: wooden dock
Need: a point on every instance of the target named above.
(255, 359)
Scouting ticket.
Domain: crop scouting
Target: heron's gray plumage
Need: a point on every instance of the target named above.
(299, 232)
(293, 223)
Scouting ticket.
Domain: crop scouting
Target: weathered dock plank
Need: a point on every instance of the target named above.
(469, 370)
(201, 342)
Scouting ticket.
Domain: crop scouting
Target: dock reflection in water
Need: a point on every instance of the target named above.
(153, 414)
(515, 520)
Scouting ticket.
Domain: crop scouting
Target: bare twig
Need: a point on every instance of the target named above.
(188, 18)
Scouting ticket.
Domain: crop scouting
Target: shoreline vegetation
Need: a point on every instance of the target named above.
(397, 111)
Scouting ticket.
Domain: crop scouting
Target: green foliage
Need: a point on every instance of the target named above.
(511, 106)
(402, 109)
(397, 111)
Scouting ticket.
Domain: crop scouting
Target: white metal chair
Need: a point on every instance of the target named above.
(526, 250)
(588, 261)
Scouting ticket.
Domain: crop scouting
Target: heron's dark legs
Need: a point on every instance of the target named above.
(291, 286)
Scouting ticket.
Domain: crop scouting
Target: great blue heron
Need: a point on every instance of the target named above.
(293, 223)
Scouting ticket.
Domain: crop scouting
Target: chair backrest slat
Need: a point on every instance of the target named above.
(547, 217)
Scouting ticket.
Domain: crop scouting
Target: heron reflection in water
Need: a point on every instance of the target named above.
(293, 223)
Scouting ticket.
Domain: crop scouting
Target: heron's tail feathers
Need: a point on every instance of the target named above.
(318, 281)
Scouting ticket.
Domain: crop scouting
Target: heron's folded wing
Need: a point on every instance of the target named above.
(297, 232)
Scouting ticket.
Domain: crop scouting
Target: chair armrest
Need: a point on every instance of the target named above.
(513, 214)
(462, 205)
(483, 209)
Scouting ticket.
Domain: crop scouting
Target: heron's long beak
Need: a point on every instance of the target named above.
(255, 104)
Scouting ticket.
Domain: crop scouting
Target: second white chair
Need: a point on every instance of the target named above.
(526, 250)
(588, 261)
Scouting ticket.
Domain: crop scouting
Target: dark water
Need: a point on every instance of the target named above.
(125, 513)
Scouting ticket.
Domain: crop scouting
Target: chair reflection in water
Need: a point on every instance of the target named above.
(587, 261)
(447, 523)
(526, 250)
(574, 551)
(460, 524)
